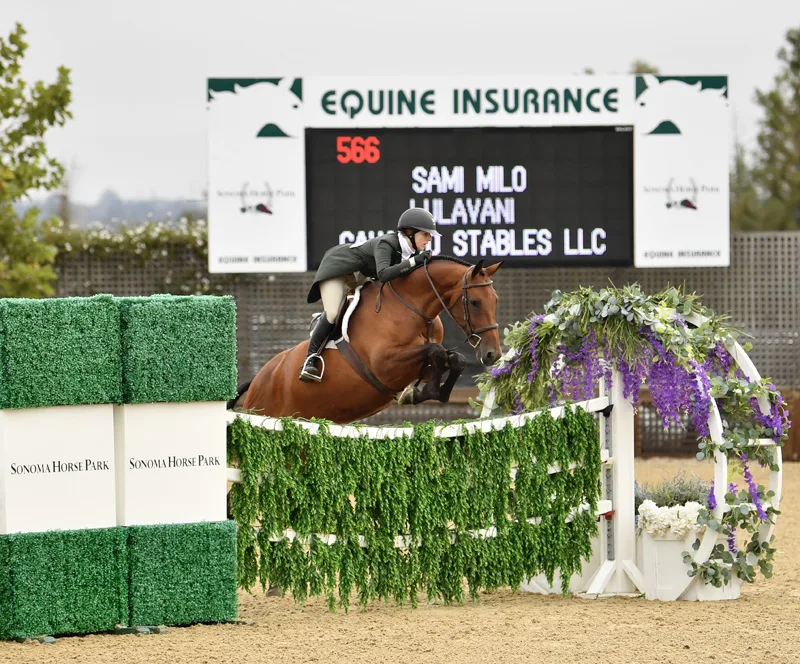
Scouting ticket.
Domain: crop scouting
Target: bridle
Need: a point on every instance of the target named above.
(472, 333)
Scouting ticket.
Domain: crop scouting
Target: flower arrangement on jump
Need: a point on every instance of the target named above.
(582, 336)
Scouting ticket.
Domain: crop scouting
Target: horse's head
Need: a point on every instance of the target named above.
(472, 302)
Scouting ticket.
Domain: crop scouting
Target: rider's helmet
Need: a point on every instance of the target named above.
(418, 219)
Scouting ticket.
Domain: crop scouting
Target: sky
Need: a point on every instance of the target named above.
(139, 69)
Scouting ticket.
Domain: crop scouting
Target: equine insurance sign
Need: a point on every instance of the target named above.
(536, 171)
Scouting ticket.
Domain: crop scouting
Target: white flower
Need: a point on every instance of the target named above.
(677, 521)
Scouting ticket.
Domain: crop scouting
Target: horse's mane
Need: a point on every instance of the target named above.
(452, 259)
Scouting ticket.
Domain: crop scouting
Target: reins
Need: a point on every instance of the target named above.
(471, 334)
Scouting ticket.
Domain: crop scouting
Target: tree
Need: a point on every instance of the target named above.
(746, 207)
(776, 174)
(642, 67)
(26, 113)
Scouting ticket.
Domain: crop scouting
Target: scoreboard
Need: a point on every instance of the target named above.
(531, 196)
(536, 171)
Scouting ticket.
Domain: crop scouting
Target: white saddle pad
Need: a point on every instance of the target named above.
(353, 301)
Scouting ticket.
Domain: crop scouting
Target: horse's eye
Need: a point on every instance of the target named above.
(475, 303)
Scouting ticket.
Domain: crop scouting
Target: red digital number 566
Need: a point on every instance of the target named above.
(357, 149)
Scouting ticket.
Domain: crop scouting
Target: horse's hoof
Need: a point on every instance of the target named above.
(406, 397)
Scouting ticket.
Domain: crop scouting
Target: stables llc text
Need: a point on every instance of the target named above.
(499, 242)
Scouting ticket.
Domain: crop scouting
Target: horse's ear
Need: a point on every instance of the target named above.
(493, 268)
(476, 268)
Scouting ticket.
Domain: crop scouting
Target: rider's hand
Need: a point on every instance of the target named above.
(422, 256)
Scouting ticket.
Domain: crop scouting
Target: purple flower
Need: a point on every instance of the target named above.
(581, 370)
(676, 390)
(777, 419)
(517, 406)
(751, 485)
(632, 377)
(712, 499)
(732, 540)
(732, 537)
(719, 361)
(507, 368)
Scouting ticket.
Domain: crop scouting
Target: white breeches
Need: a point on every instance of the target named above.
(334, 290)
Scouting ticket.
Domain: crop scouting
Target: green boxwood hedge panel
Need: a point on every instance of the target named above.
(178, 348)
(183, 574)
(63, 582)
(59, 351)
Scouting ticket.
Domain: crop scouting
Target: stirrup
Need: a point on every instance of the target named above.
(309, 376)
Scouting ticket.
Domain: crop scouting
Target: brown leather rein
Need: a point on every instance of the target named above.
(471, 333)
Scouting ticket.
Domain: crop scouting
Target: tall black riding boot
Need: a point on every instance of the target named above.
(319, 335)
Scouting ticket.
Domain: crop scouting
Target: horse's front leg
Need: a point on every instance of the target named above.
(437, 356)
(456, 363)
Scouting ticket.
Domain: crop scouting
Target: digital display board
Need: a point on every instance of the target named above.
(530, 196)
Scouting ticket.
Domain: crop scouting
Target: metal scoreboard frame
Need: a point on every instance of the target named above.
(535, 171)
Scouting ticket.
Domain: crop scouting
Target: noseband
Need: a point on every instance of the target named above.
(472, 333)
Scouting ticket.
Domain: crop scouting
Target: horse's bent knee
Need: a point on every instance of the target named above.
(456, 361)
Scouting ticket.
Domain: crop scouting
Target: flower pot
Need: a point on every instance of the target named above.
(665, 573)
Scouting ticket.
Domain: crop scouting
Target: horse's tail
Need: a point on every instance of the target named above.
(239, 393)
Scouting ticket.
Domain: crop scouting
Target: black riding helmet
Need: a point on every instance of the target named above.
(418, 219)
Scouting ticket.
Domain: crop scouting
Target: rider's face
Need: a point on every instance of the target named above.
(421, 238)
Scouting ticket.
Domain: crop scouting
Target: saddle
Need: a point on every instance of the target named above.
(339, 339)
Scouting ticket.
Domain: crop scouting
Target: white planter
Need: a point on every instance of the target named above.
(171, 463)
(57, 468)
(665, 573)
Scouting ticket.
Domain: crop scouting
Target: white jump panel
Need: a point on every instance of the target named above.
(171, 463)
(57, 469)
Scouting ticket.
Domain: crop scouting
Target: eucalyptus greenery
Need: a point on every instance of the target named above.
(435, 494)
(582, 336)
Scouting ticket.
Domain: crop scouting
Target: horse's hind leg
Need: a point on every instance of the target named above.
(456, 363)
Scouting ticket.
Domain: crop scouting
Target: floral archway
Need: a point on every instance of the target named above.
(698, 375)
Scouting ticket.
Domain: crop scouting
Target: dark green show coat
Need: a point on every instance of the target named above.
(379, 258)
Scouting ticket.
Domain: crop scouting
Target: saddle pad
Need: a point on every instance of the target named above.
(353, 301)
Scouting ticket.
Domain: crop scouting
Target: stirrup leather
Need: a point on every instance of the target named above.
(304, 372)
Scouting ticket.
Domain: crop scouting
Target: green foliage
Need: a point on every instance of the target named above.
(435, 494)
(639, 66)
(26, 113)
(674, 491)
(102, 349)
(623, 329)
(63, 351)
(181, 247)
(746, 206)
(182, 573)
(85, 581)
(63, 582)
(25, 257)
(178, 348)
(776, 173)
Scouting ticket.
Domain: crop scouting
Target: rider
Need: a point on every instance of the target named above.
(346, 265)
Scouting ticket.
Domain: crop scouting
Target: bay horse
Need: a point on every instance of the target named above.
(396, 334)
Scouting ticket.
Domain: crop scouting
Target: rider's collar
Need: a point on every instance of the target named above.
(405, 247)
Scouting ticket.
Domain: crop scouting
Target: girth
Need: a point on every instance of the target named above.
(352, 358)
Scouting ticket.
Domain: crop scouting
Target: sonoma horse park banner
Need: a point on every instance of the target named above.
(533, 170)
